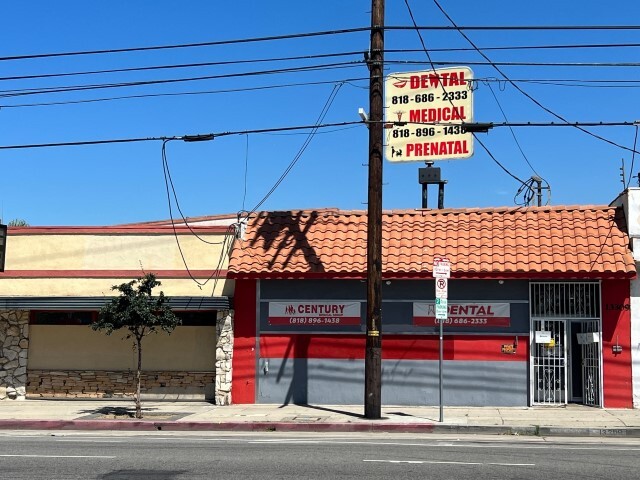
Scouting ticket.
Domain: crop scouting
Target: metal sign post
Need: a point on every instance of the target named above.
(441, 272)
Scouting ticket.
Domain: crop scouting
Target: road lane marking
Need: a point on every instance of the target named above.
(424, 461)
(56, 456)
(444, 462)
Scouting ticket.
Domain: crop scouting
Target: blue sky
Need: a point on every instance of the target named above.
(113, 184)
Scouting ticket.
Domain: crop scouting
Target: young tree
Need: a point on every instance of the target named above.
(137, 311)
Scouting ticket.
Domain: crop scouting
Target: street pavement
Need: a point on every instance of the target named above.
(569, 420)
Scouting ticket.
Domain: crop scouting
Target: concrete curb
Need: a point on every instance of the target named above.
(343, 427)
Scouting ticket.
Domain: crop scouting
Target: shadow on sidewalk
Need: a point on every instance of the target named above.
(325, 409)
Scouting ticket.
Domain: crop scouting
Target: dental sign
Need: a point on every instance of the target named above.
(424, 112)
(462, 314)
(314, 313)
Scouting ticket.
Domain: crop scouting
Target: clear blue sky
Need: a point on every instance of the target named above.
(112, 184)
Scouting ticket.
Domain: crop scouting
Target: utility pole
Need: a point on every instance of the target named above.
(373, 353)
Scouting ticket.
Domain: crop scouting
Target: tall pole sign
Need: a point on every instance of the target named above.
(441, 272)
(424, 113)
(373, 348)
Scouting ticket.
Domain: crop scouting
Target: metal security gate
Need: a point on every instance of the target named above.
(591, 364)
(565, 347)
(549, 362)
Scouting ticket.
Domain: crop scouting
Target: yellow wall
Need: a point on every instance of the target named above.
(98, 287)
(73, 347)
(111, 252)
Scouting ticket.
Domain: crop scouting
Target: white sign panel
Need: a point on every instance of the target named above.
(441, 267)
(462, 314)
(442, 287)
(314, 313)
(542, 336)
(423, 111)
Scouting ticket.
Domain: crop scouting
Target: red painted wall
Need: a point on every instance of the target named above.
(243, 383)
(616, 328)
(394, 347)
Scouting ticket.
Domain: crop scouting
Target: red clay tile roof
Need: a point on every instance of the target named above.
(562, 241)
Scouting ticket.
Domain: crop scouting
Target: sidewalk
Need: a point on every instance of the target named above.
(570, 420)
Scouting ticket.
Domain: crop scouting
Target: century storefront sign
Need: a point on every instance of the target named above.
(314, 313)
(463, 314)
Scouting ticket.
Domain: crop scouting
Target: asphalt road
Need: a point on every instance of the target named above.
(118, 455)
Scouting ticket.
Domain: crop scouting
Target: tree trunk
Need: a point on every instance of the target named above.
(136, 397)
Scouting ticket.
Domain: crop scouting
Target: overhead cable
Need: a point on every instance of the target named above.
(515, 85)
(426, 51)
(74, 88)
(346, 81)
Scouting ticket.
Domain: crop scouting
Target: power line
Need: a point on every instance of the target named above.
(522, 47)
(317, 56)
(347, 81)
(73, 88)
(583, 83)
(306, 127)
(633, 156)
(180, 65)
(305, 144)
(551, 112)
(521, 64)
(324, 33)
(426, 51)
(184, 137)
(187, 45)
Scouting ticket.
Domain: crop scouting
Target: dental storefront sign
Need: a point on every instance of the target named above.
(463, 314)
(314, 313)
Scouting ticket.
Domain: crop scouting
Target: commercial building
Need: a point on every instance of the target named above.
(57, 278)
(542, 306)
(538, 307)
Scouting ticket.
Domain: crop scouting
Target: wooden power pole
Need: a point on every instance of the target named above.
(373, 354)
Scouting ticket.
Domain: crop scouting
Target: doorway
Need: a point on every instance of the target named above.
(565, 343)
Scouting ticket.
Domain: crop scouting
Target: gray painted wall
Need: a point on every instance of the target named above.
(404, 382)
(397, 306)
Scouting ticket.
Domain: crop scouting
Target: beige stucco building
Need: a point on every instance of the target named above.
(57, 278)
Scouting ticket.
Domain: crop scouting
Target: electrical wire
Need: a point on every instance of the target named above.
(188, 45)
(173, 225)
(515, 138)
(633, 156)
(167, 175)
(559, 117)
(320, 34)
(246, 170)
(179, 66)
(75, 88)
(519, 64)
(523, 47)
(321, 116)
(584, 83)
(325, 55)
(310, 127)
(185, 137)
(347, 81)
(424, 47)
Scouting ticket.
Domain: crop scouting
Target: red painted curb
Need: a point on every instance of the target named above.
(150, 425)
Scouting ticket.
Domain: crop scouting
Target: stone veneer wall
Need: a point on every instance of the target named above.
(224, 357)
(113, 384)
(14, 352)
